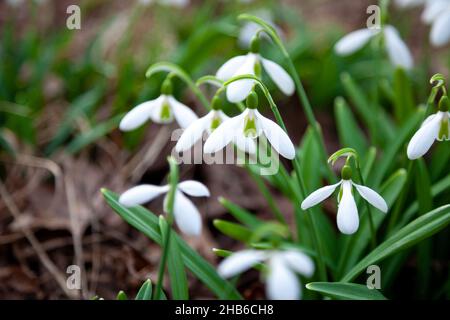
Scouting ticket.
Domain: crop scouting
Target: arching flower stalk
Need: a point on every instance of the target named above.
(282, 265)
(252, 64)
(185, 213)
(162, 110)
(435, 127)
(396, 49)
(347, 215)
(245, 128)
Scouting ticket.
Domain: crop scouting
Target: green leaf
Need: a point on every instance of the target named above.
(146, 222)
(177, 274)
(121, 296)
(243, 216)
(403, 97)
(419, 229)
(145, 292)
(233, 230)
(345, 291)
(350, 135)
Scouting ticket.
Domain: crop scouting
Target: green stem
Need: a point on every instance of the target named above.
(169, 210)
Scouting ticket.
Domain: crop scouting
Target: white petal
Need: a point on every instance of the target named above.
(281, 78)
(240, 89)
(372, 197)
(423, 139)
(239, 262)
(194, 188)
(299, 262)
(347, 215)
(139, 114)
(282, 283)
(353, 41)
(433, 9)
(193, 133)
(184, 115)
(398, 52)
(229, 68)
(141, 194)
(408, 3)
(440, 31)
(157, 111)
(319, 195)
(245, 144)
(223, 135)
(277, 137)
(186, 215)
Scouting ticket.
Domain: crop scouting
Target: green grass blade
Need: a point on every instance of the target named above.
(345, 291)
(145, 292)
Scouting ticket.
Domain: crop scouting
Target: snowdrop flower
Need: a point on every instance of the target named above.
(281, 281)
(245, 128)
(347, 215)
(397, 50)
(437, 13)
(435, 127)
(161, 110)
(249, 29)
(185, 213)
(251, 64)
(208, 124)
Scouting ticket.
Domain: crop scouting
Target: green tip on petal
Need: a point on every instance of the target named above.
(346, 172)
(165, 111)
(252, 100)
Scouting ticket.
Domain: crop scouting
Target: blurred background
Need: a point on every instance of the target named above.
(63, 93)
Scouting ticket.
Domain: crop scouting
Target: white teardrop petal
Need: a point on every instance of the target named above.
(398, 52)
(245, 144)
(193, 133)
(182, 113)
(186, 215)
(238, 90)
(440, 31)
(229, 68)
(277, 137)
(433, 9)
(319, 195)
(239, 262)
(141, 194)
(353, 41)
(281, 78)
(347, 215)
(299, 262)
(423, 139)
(223, 135)
(194, 188)
(138, 115)
(282, 283)
(372, 197)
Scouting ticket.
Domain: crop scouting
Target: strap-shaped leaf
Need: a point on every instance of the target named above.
(345, 291)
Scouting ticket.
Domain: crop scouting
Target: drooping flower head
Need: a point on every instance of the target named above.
(245, 128)
(162, 110)
(435, 127)
(252, 63)
(185, 213)
(282, 265)
(347, 215)
(207, 123)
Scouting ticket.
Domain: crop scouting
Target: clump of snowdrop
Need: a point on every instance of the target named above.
(207, 123)
(347, 215)
(252, 63)
(396, 48)
(282, 266)
(163, 110)
(435, 127)
(187, 216)
(245, 128)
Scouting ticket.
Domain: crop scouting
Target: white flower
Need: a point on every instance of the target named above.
(437, 13)
(241, 65)
(347, 215)
(185, 213)
(249, 29)
(281, 282)
(409, 3)
(435, 127)
(397, 50)
(175, 3)
(161, 110)
(195, 131)
(244, 129)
